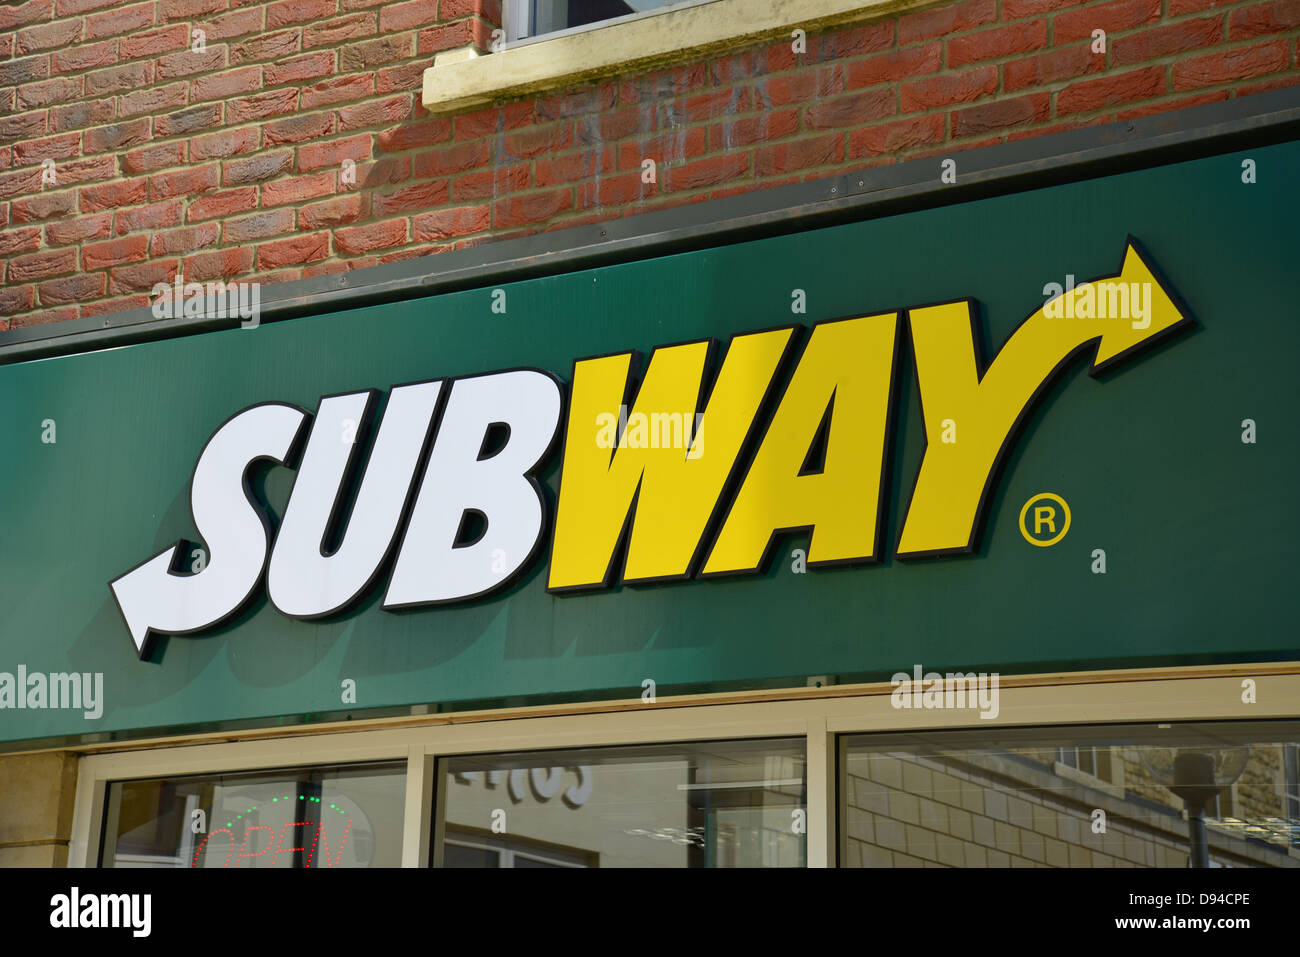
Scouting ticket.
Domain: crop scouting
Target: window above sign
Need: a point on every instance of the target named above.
(527, 21)
(589, 40)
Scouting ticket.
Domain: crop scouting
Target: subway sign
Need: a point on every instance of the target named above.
(996, 436)
(674, 466)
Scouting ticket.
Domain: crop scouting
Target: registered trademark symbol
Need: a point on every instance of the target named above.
(1047, 519)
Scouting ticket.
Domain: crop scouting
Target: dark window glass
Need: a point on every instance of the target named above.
(314, 817)
(711, 804)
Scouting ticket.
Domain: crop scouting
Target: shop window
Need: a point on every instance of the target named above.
(535, 19)
(710, 804)
(986, 799)
(349, 816)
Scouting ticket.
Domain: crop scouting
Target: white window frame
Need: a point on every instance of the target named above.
(817, 714)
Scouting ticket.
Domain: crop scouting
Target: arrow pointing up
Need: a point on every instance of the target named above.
(971, 416)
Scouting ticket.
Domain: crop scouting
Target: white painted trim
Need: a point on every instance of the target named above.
(668, 37)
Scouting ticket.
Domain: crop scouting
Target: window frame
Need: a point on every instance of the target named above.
(1193, 693)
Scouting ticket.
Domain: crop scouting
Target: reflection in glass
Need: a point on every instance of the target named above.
(712, 804)
(1169, 795)
(315, 817)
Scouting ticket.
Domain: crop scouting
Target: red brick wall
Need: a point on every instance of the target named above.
(227, 163)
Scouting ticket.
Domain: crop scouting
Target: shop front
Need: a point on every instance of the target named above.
(944, 517)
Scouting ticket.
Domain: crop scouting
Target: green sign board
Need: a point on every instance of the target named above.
(990, 486)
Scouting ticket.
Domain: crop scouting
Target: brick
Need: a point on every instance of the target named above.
(489, 184)
(186, 182)
(1109, 90)
(59, 147)
(334, 33)
(308, 67)
(710, 171)
(115, 252)
(40, 265)
(184, 240)
(299, 189)
(70, 231)
(222, 86)
(354, 240)
(1264, 19)
(15, 299)
(799, 88)
(202, 117)
(853, 109)
(127, 76)
(76, 116)
(69, 8)
(493, 120)
(272, 46)
(188, 63)
(45, 316)
(129, 192)
(224, 143)
(949, 89)
(1000, 115)
(1165, 41)
(172, 10)
(151, 158)
(236, 23)
(90, 169)
(550, 138)
(928, 24)
(249, 108)
(1179, 103)
(47, 93)
(621, 190)
(419, 197)
(530, 208)
(896, 65)
(152, 101)
(130, 19)
(254, 169)
(299, 129)
(219, 264)
(154, 42)
(678, 145)
(313, 156)
(1054, 66)
(23, 240)
(105, 306)
(414, 135)
(896, 137)
(842, 44)
(155, 216)
(443, 224)
(1019, 9)
(42, 206)
(385, 112)
(20, 14)
(25, 70)
(747, 131)
(85, 57)
(223, 203)
(404, 16)
(1111, 17)
(338, 90)
(270, 222)
(396, 79)
(998, 42)
(370, 54)
(333, 212)
(798, 154)
(19, 183)
(47, 36)
(293, 252)
(142, 276)
(298, 11)
(452, 159)
(1229, 66)
(446, 36)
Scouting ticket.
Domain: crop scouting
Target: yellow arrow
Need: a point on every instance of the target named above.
(970, 418)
